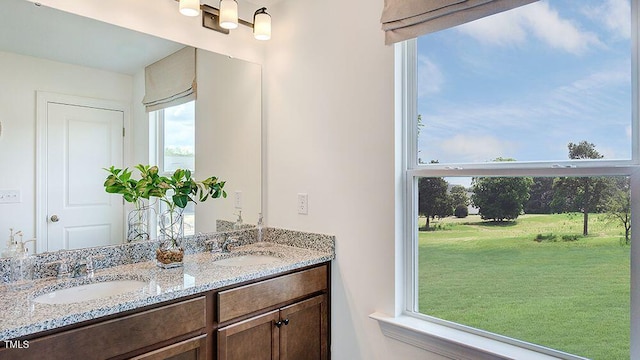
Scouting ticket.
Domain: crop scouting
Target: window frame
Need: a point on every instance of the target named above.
(411, 170)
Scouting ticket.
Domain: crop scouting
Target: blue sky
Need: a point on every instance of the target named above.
(180, 129)
(526, 82)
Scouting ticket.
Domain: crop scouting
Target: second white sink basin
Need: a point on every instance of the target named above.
(247, 259)
(92, 291)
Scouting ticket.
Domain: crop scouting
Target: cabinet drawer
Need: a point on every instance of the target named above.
(118, 336)
(254, 297)
(192, 349)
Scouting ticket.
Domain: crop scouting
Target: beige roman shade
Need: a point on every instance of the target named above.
(171, 81)
(406, 19)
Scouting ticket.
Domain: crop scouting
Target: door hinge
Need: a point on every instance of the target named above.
(122, 132)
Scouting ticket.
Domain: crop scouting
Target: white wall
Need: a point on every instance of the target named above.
(228, 138)
(21, 77)
(329, 101)
(328, 97)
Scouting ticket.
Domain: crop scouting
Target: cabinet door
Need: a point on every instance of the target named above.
(303, 334)
(255, 338)
(192, 349)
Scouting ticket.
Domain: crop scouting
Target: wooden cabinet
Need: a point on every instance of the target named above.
(294, 332)
(192, 349)
(283, 317)
(118, 337)
(255, 338)
(304, 332)
(296, 329)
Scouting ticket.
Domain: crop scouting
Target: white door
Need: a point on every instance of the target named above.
(81, 141)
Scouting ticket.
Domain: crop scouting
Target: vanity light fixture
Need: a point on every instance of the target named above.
(226, 17)
(190, 7)
(228, 14)
(262, 24)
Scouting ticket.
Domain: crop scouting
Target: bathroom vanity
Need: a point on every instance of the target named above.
(209, 309)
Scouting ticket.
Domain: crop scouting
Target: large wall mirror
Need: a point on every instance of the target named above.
(50, 59)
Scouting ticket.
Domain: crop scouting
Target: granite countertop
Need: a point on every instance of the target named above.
(22, 316)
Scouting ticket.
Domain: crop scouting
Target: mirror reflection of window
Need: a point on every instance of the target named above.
(179, 137)
(175, 146)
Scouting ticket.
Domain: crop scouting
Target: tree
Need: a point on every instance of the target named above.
(433, 199)
(459, 201)
(458, 194)
(500, 198)
(461, 211)
(585, 194)
(540, 196)
(618, 206)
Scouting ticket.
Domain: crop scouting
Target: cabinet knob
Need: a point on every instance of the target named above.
(278, 324)
(285, 321)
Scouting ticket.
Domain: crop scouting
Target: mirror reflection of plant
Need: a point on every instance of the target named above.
(119, 181)
(176, 190)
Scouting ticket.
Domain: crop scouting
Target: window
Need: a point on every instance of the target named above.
(514, 125)
(174, 138)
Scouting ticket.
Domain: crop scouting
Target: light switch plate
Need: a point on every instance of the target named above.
(237, 199)
(303, 204)
(10, 196)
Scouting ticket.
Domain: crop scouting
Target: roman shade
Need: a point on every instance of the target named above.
(406, 19)
(171, 81)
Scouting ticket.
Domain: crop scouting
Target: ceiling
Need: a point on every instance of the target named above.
(52, 34)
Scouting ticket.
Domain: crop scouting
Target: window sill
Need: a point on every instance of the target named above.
(449, 342)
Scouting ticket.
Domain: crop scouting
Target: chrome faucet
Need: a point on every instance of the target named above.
(228, 242)
(82, 268)
(214, 245)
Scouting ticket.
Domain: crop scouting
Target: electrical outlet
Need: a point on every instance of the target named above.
(237, 200)
(303, 204)
(9, 196)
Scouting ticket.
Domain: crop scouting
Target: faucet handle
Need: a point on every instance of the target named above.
(89, 265)
(229, 243)
(63, 268)
(212, 246)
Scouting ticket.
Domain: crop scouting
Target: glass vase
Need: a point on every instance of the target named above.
(138, 222)
(170, 252)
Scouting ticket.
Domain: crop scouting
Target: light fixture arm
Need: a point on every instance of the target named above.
(210, 17)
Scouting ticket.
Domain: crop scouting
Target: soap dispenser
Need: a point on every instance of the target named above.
(12, 245)
(22, 265)
(238, 224)
(22, 268)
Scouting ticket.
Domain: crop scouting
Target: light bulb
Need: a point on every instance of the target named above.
(228, 14)
(262, 25)
(190, 7)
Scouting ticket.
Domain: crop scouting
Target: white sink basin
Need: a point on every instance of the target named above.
(247, 259)
(90, 291)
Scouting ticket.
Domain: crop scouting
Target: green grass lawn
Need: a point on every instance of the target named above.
(572, 296)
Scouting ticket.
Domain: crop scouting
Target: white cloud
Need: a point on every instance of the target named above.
(614, 15)
(592, 107)
(430, 77)
(587, 95)
(474, 148)
(538, 20)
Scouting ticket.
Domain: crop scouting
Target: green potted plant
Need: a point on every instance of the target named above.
(120, 182)
(175, 191)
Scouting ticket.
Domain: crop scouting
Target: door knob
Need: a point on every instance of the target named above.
(54, 218)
